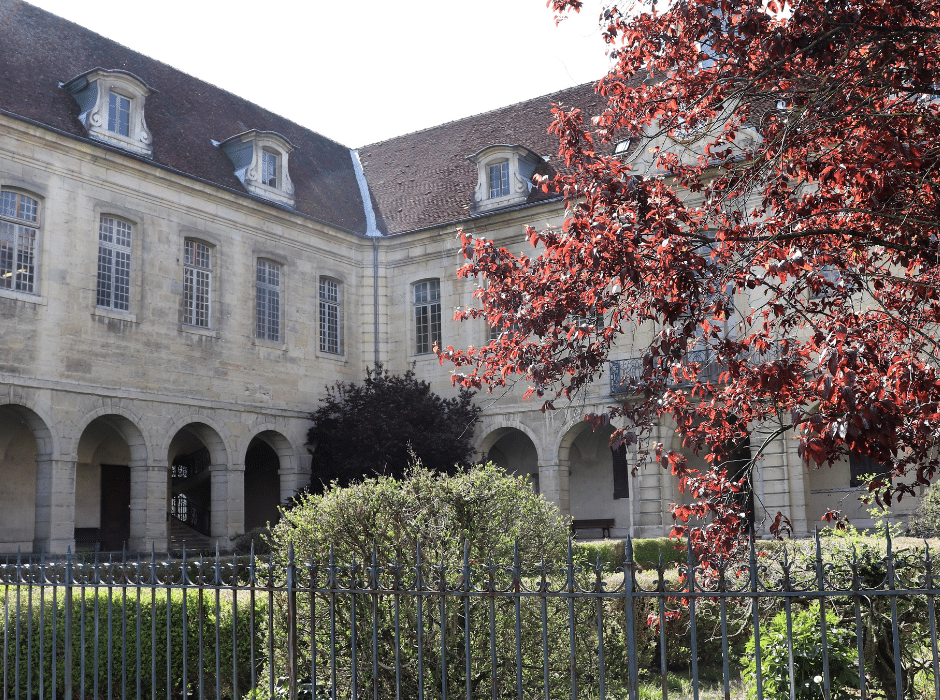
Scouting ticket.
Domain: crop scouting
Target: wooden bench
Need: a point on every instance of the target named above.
(602, 524)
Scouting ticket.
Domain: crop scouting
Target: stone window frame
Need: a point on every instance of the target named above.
(115, 248)
(247, 150)
(330, 315)
(30, 290)
(92, 91)
(268, 321)
(520, 164)
(426, 302)
(192, 269)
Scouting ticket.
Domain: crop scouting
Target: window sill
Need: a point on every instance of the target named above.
(845, 489)
(23, 296)
(270, 344)
(333, 356)
(103, 312)
(198, 330)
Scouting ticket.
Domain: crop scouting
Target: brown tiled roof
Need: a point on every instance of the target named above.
(38, 51)
(424, 179)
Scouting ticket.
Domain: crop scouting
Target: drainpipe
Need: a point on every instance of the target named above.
(372, 232)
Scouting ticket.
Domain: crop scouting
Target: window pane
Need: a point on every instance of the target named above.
(114, 263)
(197, 284)
(268, 301)
(329, 316)
(427, 315)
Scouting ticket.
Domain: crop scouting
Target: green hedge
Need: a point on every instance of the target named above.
(122, 646)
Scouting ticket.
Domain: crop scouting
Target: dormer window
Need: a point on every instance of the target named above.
(260, 160)
(504, 176)
(111, 104)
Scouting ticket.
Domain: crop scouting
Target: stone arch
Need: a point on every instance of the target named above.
(126, 423)
(271, 465)
(215, 437)
(598, 484)
(27, 444)
(514, 451)
(490, 432)
(38, 418)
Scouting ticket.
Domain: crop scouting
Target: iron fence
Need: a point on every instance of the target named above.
(234, 627)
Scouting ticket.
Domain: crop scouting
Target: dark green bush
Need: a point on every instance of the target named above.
(92, 606)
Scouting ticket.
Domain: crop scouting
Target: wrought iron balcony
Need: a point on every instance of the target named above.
(623, 373)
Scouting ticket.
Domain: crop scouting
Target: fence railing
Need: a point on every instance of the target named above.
(811, 625)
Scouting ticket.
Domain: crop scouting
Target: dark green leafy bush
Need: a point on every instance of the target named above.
(117, 618)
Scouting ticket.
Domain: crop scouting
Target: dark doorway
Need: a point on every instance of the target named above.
(115, 506)
(262, 485)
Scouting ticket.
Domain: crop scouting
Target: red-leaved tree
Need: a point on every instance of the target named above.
(791, 283)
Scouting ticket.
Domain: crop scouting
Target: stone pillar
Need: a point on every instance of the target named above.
(228, 502)
(148, 507)
(553, 484)
(55, 505)
(292, 479)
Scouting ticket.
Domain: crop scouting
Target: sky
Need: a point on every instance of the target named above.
(364, 71)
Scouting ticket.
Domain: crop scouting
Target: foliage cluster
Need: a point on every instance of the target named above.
(381, 425)
(925, 520)
(803, 633)
(771, 216)
(100, 632)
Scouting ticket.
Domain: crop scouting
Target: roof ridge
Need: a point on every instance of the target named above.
(512, 105)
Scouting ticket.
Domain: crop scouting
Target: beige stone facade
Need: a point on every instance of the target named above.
(176, 385)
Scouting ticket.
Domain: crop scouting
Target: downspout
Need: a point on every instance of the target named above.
(372, 232)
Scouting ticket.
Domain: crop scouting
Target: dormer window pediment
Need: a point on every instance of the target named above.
(261, 164)
(504, 176)
(111, 104)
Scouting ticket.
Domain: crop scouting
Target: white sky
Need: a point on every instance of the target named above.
(362, 70)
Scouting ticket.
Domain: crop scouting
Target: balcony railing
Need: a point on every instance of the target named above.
(629, 371)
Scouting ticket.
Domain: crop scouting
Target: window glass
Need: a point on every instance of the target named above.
(119, 114)
(114, 263)
(18, 241)
(329, 316)
(499, 180)
(197, 284)
(269, 168)
(427, 307)
(268, 296)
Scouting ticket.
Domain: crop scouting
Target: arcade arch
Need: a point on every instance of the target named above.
(514, 452)
(24, 437)
(196, 483)
(598, 477)
(269, 455)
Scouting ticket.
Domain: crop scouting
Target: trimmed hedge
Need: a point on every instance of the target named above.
(117, 640)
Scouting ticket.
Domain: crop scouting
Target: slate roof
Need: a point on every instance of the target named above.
(417, 180)
(38, 51)
(424, 179)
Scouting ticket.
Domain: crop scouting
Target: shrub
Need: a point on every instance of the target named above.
(807, 656)
(118, 640)
(378, 426)
(481, 509)
(925, 520)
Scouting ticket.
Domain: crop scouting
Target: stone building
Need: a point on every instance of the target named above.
(182, 273)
